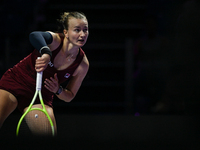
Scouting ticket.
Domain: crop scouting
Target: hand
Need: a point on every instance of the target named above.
(42, 62)
(52, 84)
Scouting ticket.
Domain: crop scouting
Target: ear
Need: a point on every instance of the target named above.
(66, 33)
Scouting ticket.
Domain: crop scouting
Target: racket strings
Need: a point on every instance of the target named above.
(38, 123)
(24, 129)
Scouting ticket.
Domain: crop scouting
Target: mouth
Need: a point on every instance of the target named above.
(81, 40)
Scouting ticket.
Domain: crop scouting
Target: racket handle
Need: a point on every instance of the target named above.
(39, 79)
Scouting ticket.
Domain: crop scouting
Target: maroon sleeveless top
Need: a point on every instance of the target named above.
(21, 79)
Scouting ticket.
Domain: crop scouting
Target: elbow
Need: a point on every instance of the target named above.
(66, 95)
(69, 99)
(32, 35)
(35, 35)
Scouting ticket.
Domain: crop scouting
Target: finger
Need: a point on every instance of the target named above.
(39, 69)
(51, 83)
(39, 61)
(53, 80)
(48, 88)
(46, 57)
(41, 64)
(48, 82)
(55, 77)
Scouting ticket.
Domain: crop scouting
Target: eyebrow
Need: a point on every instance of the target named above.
(80, 27)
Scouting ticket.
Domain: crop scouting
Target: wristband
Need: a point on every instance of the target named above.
(59, 90)
(45, 50)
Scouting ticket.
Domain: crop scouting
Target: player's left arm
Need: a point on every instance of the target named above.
(75, 82)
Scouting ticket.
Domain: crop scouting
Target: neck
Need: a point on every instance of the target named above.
(69, 49)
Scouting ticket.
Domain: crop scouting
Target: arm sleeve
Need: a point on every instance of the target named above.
(40, 39)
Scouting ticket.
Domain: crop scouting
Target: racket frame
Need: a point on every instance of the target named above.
(37, 93)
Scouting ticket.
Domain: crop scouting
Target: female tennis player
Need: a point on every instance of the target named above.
(61, 59)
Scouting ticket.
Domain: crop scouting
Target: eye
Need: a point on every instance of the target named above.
(85, 30)
(77, 30)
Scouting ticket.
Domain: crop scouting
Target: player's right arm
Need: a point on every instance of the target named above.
(45, 43)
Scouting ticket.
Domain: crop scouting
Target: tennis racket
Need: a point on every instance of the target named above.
(40, 110)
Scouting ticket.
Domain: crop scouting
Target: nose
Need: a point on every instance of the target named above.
(82, 34)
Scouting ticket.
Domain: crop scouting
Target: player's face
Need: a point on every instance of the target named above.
(78, 31)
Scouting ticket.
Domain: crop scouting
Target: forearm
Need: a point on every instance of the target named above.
(66, 95)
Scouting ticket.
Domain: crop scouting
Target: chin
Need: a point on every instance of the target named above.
(80, 45)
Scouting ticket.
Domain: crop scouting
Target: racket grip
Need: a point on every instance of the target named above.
(39, 79)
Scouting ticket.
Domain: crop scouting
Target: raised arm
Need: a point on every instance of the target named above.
(44, 42)
(40, 40)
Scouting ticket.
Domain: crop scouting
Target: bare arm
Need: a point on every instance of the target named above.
(74, 84)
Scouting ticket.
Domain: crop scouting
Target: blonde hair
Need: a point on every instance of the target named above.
(64, 18)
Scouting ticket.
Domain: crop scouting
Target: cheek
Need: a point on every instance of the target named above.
(87, 34)
(73, 35)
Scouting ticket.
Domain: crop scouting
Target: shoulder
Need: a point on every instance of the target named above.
(85, 62)
(83, 67)
(57, 38)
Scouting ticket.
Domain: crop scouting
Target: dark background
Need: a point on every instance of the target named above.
(143, 83)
